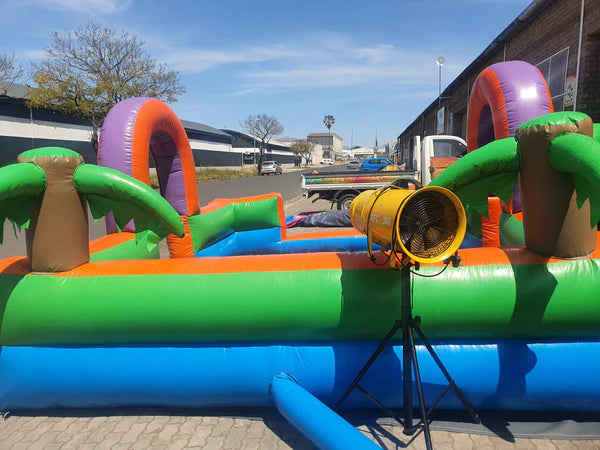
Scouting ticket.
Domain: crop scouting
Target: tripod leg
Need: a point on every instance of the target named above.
(369, 363)
(407, 375)
(406, 350)
(415, 362)
(451, 381)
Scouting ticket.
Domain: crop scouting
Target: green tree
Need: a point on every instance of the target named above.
(90, 69)
(328, 121)
(303, 149)
(263, 127)
(34, 194)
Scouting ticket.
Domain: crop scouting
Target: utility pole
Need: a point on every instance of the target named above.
(440, 62)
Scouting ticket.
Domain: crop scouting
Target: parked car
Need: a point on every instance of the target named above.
(327, 161)
(269, 167)
(373, 164)
(353, 165)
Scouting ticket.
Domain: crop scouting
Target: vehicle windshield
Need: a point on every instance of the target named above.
(448, 148)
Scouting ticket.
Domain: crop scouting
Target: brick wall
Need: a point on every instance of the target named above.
(588, 95)
(554, 29)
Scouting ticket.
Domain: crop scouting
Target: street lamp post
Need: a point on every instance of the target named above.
(329, 120)
(440, 62)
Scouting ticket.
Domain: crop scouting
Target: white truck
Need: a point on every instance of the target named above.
(419, 162)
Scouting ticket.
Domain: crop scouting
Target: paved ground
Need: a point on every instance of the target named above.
(97, 430)
(142, 429)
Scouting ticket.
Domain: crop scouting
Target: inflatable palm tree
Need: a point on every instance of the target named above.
(558, 159)
(47, 192)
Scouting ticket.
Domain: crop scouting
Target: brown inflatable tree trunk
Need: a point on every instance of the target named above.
(553, 224)
(57, 238)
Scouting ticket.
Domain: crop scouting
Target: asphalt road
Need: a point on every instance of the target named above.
(288, 184)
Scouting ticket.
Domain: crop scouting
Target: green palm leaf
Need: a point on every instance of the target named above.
(580, 155)
(491, 169)
(110, 190)
(19, 185)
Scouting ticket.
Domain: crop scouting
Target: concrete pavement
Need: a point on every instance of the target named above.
(139, 429)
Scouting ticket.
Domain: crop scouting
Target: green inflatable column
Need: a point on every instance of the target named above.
(554, 225)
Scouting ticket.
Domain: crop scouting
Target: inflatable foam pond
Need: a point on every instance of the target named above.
(518, 327)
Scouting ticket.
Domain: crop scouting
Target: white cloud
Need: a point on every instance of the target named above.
(84, 6)
(198, 60)
(316, 61)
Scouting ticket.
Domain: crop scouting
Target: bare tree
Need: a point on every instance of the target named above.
(303, 149)
(263, 127)
(90, 69)
(10, 72)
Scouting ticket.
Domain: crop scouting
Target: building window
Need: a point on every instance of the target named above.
(554, 70)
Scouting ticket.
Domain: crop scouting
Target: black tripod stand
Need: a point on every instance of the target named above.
(409, 325)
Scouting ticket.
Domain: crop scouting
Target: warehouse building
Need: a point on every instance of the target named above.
(23, 128)
(560, 37)
(331, 143)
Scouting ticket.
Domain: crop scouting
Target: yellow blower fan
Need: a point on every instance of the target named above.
(426, 226)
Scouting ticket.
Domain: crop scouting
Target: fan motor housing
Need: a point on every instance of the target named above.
(427, 225)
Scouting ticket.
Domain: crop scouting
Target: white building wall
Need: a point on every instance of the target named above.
(39, 129)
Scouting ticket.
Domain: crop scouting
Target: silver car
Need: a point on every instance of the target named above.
(269, 167)
(353, 165)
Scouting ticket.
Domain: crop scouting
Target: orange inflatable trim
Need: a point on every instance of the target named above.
(153, 117)
(19, 265)
(110, 240)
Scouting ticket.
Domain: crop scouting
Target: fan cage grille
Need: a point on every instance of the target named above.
(428, 224)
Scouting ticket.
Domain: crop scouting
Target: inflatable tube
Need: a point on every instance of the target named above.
(134, 129)
(21, 180)
(19, 185)
(513, 375)
(504, 96)
(313, 419)
(495, 293)
(104, 192)
(137, 126)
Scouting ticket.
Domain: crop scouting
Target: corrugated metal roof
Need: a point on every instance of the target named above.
(200, 127)
(13, 90)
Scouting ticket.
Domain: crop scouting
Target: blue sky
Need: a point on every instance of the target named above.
(369, 63)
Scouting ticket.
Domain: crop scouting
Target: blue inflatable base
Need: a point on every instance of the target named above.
(508, 375)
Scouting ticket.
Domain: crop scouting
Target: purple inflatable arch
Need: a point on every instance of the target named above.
(138, 127)
(504, 96)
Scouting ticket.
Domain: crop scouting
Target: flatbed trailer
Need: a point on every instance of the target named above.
(341, 187)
